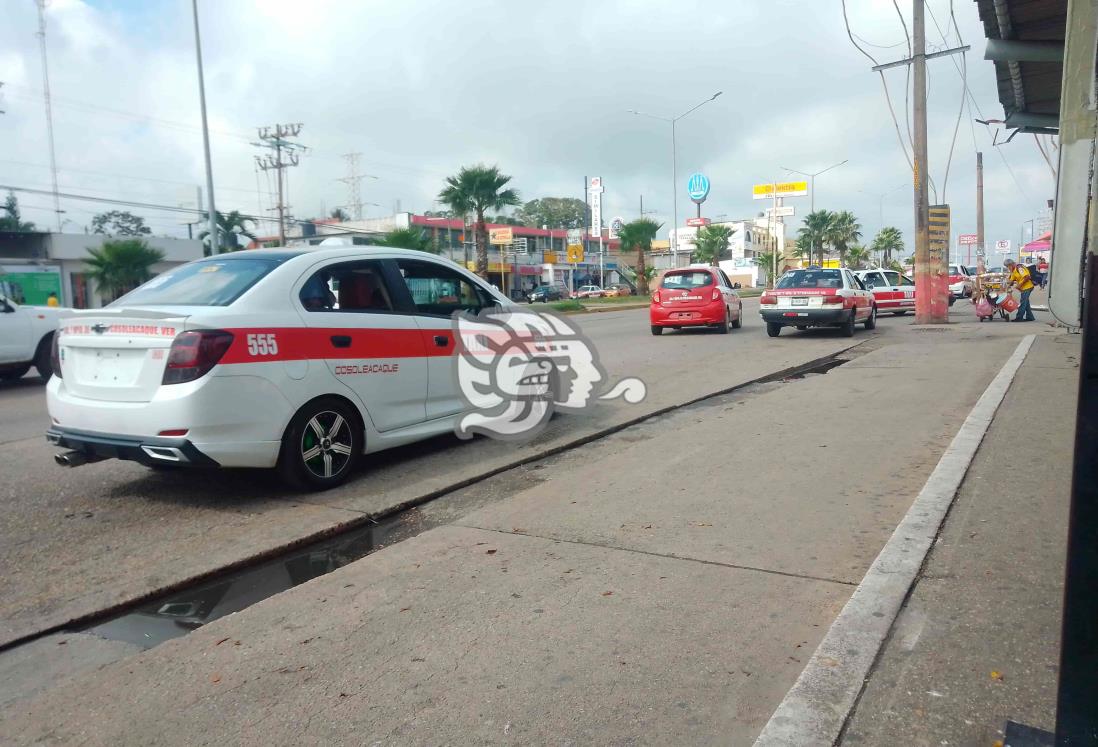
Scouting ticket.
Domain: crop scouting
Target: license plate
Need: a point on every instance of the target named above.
(800, 302)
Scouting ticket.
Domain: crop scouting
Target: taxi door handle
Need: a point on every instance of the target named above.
(442, 340)
(341, 341)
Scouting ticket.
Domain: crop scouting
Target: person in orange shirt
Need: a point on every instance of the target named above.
(52, 300)
(1020, 279)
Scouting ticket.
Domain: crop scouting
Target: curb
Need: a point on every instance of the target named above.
(816, 708)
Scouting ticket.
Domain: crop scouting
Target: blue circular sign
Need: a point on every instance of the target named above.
(697, 186)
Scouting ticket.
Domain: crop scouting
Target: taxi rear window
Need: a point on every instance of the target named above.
(205, 283)
(686, 280)
(812, 279)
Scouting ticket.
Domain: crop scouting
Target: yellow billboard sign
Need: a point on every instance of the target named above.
(549, 258)
(783, 189)
(501, 236)
(575, 253)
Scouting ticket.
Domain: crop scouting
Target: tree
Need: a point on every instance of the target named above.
(711, 243)
(11, 220)
(339, 214)
(888, 240)
(230, 227)
(120, 223)
(477, 189)
(766, 261)
(858, 257)
(555, 212)
(843, 231)
(506, 220)
(815, 233)
(409, 238)
(638, 235)
(120, 265)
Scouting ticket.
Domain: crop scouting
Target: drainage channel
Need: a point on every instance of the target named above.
(177, 613)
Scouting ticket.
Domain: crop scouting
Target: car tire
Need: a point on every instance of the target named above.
(739, 318)
(871, 322)
(13, 374)
(657, 330)
(773, 329)
(848, 325)
(42, 362)
(330, 430)
(952, 300)
(722, 329)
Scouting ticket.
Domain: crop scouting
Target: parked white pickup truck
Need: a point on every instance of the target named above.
(26, 338)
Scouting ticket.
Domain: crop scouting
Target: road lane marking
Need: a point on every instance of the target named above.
(815, 709)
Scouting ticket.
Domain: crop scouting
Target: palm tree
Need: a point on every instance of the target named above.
(477, 189)
(887, 241)
(409, 238)
(230, 227)
(711, 243)
(120, 265)
(766, 261)
(815, 232)
(857, 256)
(13, 221)
(638, 235)
(843, 231)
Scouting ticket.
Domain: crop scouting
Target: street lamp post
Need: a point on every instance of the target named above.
(215, 246)
(812, 181)
(675, 171)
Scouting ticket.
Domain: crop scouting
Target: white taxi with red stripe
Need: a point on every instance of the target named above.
(818, 297)
(892, 291)
(301, 359)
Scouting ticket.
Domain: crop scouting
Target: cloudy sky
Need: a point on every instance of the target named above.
(543, 89)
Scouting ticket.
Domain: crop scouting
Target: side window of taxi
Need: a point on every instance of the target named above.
(347, 287)
(439, 291)
(872, 280)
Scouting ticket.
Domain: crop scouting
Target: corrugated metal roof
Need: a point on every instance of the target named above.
(1026, 20)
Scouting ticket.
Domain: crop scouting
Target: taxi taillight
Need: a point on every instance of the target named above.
(55, 354)
(770, 300)
(716, 295)
(656, 297)
(193, 354)
(833, 300)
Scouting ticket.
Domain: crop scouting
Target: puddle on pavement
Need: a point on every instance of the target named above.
(176, 614)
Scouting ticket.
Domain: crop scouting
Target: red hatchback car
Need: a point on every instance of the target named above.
(695, 297)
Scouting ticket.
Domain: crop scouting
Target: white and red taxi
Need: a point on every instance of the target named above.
(695, 297)
(892, 291)
(300, 359)
(817, 297)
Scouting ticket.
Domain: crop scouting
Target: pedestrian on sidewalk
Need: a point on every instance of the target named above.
(1042, 267)
(1020, 279)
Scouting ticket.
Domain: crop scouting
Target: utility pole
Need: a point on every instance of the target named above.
(49, 112)
(924, 273)
(282, 147)
(211, 216)
(981, 246)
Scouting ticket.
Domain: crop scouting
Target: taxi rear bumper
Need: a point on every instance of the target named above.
(806, 317)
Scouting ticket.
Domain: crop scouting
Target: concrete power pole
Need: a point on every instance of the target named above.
(282, 148)
(981, 245)
(926, 311)
(49, 112)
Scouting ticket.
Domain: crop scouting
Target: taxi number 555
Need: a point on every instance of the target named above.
(262, 345)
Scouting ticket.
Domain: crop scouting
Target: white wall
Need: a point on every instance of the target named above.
(64, 246)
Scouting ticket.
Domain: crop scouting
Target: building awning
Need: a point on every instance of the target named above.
(1026, 44)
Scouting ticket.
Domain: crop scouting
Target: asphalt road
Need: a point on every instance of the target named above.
(79, 541)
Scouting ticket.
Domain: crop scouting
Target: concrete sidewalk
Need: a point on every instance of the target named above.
(977, 642)
(663, 585)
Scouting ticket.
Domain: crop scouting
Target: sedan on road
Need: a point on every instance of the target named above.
(545, 293)
(695, 297)
(891, 290)
(818, 297)
(589, 291)
(291, 358)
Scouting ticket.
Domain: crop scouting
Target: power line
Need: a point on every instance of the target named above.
(277, 141)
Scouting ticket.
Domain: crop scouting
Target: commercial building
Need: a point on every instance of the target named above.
(35, 264)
